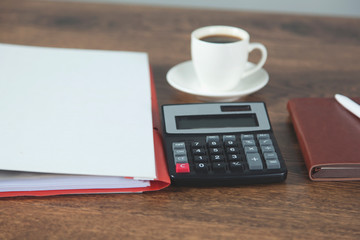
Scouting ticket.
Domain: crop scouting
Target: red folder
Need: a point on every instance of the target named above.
(162, 180)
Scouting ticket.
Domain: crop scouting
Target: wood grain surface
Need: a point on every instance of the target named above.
(308, 57)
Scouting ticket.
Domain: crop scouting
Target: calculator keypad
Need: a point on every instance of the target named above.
(225, 154)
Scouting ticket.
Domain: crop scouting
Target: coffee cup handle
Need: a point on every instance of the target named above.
(253, 46)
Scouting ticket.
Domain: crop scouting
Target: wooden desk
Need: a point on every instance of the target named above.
(308, 57)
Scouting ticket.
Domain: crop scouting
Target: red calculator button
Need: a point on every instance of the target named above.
(182, 168)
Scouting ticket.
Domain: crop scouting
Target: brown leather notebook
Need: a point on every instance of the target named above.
(329, 138)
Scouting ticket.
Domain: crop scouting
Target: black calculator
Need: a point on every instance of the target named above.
(210, 144)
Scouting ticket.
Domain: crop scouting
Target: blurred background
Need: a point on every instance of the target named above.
(341, 8)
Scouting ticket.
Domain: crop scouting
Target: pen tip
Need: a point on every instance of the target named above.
(337, 96)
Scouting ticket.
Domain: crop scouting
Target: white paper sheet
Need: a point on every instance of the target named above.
(72, 111)
(24, 181)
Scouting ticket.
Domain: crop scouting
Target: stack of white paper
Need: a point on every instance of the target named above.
(74, 112)
(23, 181)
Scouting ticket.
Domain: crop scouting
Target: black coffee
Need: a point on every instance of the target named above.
(220, 39)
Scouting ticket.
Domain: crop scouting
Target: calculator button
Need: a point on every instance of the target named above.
(266, 149)
(265, 142)
(178, 145)
(198, 151)
(230, 143)
(247, 136)
(200, 158)
(251, 149)
(236, 166)
(234, 157)
(182, 168)
(219, 166)
(248, 143)
(270, 155)
(216, 150)
(263, 136)
(273, 164)
(229, 138)
(181, 159)
(232, 150)
(197, 144)
(213, 141)
(179, 152)
(217, 158)
(212, 138)
(254, 161)
(201, 167)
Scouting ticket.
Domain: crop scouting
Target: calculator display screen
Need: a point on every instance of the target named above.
(216, 121)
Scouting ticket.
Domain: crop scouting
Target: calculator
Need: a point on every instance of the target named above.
(210, 144)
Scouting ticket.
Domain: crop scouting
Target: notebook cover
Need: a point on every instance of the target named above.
(329, 138)
(162, 180)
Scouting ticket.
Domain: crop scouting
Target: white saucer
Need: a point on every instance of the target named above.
(183, 78)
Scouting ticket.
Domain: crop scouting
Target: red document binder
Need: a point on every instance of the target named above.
(329, 138)
(162, 180)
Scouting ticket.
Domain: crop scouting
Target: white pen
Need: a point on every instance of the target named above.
(348, 104)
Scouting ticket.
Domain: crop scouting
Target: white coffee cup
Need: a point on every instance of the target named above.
(221, 66)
